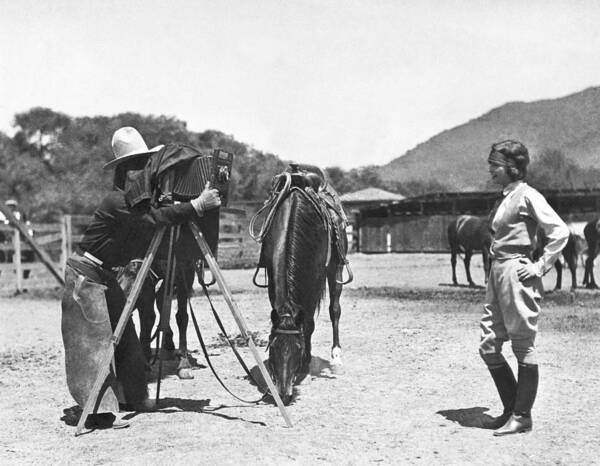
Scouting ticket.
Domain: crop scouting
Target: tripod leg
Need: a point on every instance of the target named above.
(125, 315)
(241, 323)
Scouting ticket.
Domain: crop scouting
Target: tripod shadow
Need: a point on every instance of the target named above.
(72, 415)
(468, 417)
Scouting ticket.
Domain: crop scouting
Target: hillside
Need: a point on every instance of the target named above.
(457, 157)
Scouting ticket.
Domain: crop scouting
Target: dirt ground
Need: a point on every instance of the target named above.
(413, 389)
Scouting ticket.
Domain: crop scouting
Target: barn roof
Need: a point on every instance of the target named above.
(371, 194)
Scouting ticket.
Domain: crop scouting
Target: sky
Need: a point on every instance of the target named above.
(334, 83)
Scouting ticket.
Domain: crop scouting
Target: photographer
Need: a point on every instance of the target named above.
(93, 300)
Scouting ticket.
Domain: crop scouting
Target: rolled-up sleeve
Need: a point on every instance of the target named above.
(554, 228)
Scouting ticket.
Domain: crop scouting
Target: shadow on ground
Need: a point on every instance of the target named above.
(468, 417)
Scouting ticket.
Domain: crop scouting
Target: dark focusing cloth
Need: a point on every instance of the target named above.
(144, 184)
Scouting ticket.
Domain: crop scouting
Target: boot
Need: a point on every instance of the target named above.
(521, 421)
(507, 389)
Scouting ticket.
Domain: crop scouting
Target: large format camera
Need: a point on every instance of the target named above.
(181, 173)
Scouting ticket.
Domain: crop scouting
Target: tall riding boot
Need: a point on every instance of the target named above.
(507, 389)
(520, 421)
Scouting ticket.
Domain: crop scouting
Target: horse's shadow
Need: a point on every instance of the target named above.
(468, 417)
(319, 368)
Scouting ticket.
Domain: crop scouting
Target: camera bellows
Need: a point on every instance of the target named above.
(189, 178)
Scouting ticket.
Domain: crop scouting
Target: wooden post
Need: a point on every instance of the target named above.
(40, 252)
(66, 245)
(17, 259)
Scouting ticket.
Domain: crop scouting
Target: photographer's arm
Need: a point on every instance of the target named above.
(180, 213)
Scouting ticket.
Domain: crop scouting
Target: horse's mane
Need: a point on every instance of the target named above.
(305, 273)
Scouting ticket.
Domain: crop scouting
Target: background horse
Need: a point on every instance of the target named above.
(466, 234)
(570, 253)
(592, 236)
(302, 248)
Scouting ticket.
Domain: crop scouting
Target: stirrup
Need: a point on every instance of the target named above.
(350, 274)
(266, 285)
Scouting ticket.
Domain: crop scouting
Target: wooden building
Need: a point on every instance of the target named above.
(355, 201)
(419, 224)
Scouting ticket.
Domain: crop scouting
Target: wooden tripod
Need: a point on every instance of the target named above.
(130, 304)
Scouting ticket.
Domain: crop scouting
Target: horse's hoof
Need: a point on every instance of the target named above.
(305, 380)
(184, 363)
(185, 374)
(337, 369)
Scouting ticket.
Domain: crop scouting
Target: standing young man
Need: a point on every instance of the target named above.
(93, 300)
(514, 288)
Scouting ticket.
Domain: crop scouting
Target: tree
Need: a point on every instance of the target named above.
(38, 129)
(552, 170)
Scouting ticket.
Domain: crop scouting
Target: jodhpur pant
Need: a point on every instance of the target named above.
(510, 313)
(91, 308)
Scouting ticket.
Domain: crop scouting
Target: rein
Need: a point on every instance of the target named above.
(272, 204)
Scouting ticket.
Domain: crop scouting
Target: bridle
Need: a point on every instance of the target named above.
(284, 331)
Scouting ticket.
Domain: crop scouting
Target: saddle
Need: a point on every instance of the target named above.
(312, 181)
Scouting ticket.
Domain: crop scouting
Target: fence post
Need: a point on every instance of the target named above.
(17, 259)
(66, 240)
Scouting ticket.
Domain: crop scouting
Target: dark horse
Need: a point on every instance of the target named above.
(187, 255)
(592, 236)
(145, 306)
(303, 246)
(468, 233)
(569, 253)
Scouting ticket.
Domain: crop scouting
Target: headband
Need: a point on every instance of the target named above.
(497, 158)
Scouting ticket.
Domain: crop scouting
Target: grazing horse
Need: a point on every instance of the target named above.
(468, 233)
(592, 236)
(303, 246)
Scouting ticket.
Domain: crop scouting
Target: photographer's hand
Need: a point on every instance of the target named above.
(208, 199)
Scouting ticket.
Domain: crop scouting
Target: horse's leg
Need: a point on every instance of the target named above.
(589, 265)
(167, 342)
(571, 260)
(183, 285)
(309, 328)
(468, 255)
(334, 275)
(559, 268)
(145, 306)
(453, 254)
(485, 257)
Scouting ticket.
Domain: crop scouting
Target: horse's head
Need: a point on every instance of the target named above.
(286, 354)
